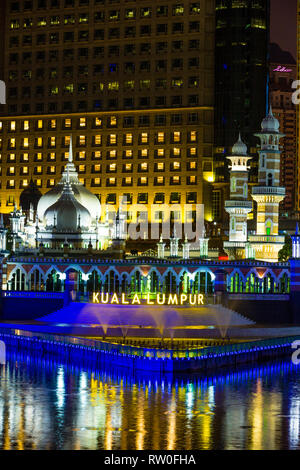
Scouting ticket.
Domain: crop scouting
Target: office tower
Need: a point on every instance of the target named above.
(241, 71)
(132, 82)
(283, 71)
(268, 194)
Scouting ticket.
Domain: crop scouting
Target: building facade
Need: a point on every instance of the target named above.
(133, 83)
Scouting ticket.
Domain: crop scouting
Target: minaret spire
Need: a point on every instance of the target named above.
(70, 150)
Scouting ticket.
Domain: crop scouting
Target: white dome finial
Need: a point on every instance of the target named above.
(239, 148)
(70, 151)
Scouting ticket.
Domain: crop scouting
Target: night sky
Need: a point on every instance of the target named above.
(284, 25)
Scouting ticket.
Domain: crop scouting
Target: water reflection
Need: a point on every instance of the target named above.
(45, 404)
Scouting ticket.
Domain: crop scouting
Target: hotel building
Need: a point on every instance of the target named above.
(283, 71)
(132, 82)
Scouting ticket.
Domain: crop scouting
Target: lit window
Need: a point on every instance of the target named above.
(13, 125)
(11, 170)
(144, 166)
(113, 86)
(82, 140)
(98, 140)
(176, 136)
(39, 157)
(176, 152)
(128, 139)
(12, 143)
(113, 121)
(113, 139)
(52, 141)
(144, 138)
(53, 124)
(68, 123)
(98, 122)
(24, 182)
(144, 153)
(25, 157)
(26, 125)
(128, 153)
(40, 124)
(25, 170)
(25, 142)
(112, 154)
(161, 137)
(161, 152)
(160, 166)
(97, 154)
(52, 156)
(39, 142)
(112, 167)
(193, 136)
(82, 122)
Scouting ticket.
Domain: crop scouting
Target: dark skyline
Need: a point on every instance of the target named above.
(284, 24)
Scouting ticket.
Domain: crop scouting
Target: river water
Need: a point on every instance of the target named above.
(45, 404)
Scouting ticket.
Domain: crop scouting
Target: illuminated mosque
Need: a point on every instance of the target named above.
(64, 236)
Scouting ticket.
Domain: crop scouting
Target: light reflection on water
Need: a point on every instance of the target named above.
(45, 404)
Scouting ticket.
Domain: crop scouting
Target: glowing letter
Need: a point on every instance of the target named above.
(124, 300)
(183, 298)
(163, 299)
(149, 301)
(136, 300)
(173, 299)
(96, 297)
(200, 299)
(102, 298)
(193, 302)
(114, 299)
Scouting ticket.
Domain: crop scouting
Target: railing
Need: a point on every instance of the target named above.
(33, 294)
(271, 190)
(209, 352)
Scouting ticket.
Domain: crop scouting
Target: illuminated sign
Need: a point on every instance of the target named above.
(159, 299)
(281, 68)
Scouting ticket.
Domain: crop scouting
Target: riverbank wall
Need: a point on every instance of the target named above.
(155, 360)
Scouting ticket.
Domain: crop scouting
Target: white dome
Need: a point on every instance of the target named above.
(270, 124)
(67, 214)
(82, 194)
(239, 148)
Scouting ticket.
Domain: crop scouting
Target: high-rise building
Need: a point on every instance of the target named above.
(132, 82)
(283, 71)
(241, 71)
